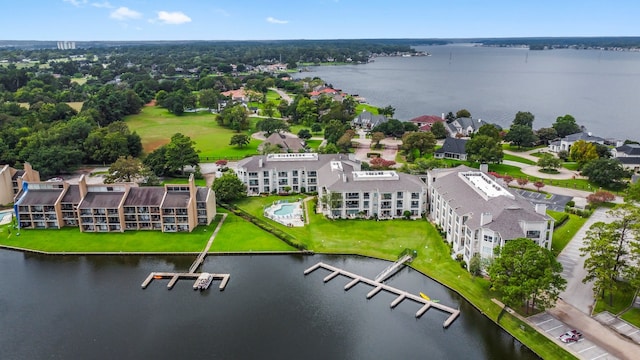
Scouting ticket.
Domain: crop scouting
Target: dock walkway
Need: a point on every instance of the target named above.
(378, 286)
(391, 269)
(175, 276)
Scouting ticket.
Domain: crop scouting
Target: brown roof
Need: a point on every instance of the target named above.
(72, 195)
(40, 197)
(176, 200)
(17, 174)
(102, 200)
(146, 196)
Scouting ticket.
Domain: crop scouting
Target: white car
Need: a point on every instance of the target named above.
(570, 336)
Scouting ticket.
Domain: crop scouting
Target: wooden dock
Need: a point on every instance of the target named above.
(393, 268)
(175, 276)
(378, 286)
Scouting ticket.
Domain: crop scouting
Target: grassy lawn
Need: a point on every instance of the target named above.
(237, 234)
(198, 182)
(313, 144)
(622, 298)
(156, 125)
(70, 239)
(632, 316)
(563, 234)
(518, 159)
(570, 166)
(370, 108)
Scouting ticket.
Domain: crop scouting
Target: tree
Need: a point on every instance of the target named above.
(526, 274)
(181, 152)
(600, 196)
(463, 113)
(334, 130)
(524, 118)
(539, 185)
(549, 162)
(240, 140)
(521, 135)
(423, 142)
(331, 200)
(125, 169)
(234, 117)
(566, 125)
(475, 265)
(269, 108)
(344, 142)
(633, 193)
(522, 182)
(489, 130)
(304, 134)
(269, 148)
(605, 172)
(582, 152)
(271, 125)
(484, 149)
(379, 163)
(606, 249)
(438, 130)
(316, 128)
(546, 135)
(376, 137)
(229, 187)
(208, 98)
(387, 111)
(602, 150)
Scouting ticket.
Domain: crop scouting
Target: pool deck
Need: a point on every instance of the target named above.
(6, 217)
(296, 219)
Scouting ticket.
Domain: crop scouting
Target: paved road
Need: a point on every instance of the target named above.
(283, 95)
(578, 294)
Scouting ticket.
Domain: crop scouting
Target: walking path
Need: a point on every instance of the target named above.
(283, 95)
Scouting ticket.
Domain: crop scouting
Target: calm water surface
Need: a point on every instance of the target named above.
(601, 89)
(93, 308)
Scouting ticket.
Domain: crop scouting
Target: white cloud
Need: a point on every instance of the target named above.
(104, 4)
(273, 20)
(124, 13)
(76, 2)
(221, 12)
(173, 18)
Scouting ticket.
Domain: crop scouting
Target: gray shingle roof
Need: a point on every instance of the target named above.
(144, 196)
(629, 149)
(40, 197)
(72, 195)
(102, 200)
(583, 136)
(453, 146)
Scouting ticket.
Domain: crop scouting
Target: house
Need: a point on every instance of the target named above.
(425, 122)
(453, 148)
(382, 194)
(238, 95)
(367, 120)
(11, 181)
(114, 207)
(566, 142)
(477, 214)
(628, 155)
(464, 126)
(286, 143)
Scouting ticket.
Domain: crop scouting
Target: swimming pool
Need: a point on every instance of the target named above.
(285, 209)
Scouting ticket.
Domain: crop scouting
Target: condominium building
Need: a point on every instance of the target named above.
(11, 181)
(478, 214)
(114, 207)
(353, 193)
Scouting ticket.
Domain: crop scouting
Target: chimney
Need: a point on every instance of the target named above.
(484, 168)
(82, 186)
(541, 209)
(442, 116)
(259, 163)
(485, 218)
(344, 177)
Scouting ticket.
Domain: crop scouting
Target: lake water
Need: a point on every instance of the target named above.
(601, 89)
(69, 307)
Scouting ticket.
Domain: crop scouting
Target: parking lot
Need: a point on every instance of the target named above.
(583, 348)
(553, 202)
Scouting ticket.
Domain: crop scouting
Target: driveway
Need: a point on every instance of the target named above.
(578, 294)
(554, 202)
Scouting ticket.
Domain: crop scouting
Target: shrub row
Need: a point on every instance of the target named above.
(582, 213)
(287, 238)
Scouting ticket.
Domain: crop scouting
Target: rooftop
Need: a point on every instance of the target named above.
(484, 185)
(292, 156)
(375, 175)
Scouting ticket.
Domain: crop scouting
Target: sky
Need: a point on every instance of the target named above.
(86, 20)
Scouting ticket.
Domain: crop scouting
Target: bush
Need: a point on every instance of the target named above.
(571, 203)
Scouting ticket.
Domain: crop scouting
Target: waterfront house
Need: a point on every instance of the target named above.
(464, 127)
(11, 181)
(477, 214)
(114, 207)
(566, 142)
(367, 121)
(425, 122)
(628, 155)
(453, 148)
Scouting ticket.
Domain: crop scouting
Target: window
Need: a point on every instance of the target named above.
(283, 174)
(488, 238)
(399, 195)
(265, 174)
(415, 196)
(295, 172)
(533, 234)
(313, 173)
(366, 195)
(415, 204)
(253, 174)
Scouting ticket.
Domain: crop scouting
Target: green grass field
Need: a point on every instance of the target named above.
(156, 125)
(237, 234)
(563, 234)
(518, 159)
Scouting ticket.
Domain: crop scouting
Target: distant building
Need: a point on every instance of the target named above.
(425, 122)
(11, 181)
(464, 126)
(566, 142)
(66, 45)
(286, 143)
(478, 214)
(628, 155)
(114, 207)
(453, 148)
(368, 121)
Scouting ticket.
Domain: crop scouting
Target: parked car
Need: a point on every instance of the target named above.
(570, 336)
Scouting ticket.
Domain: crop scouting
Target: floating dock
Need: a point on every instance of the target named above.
(378, 286)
